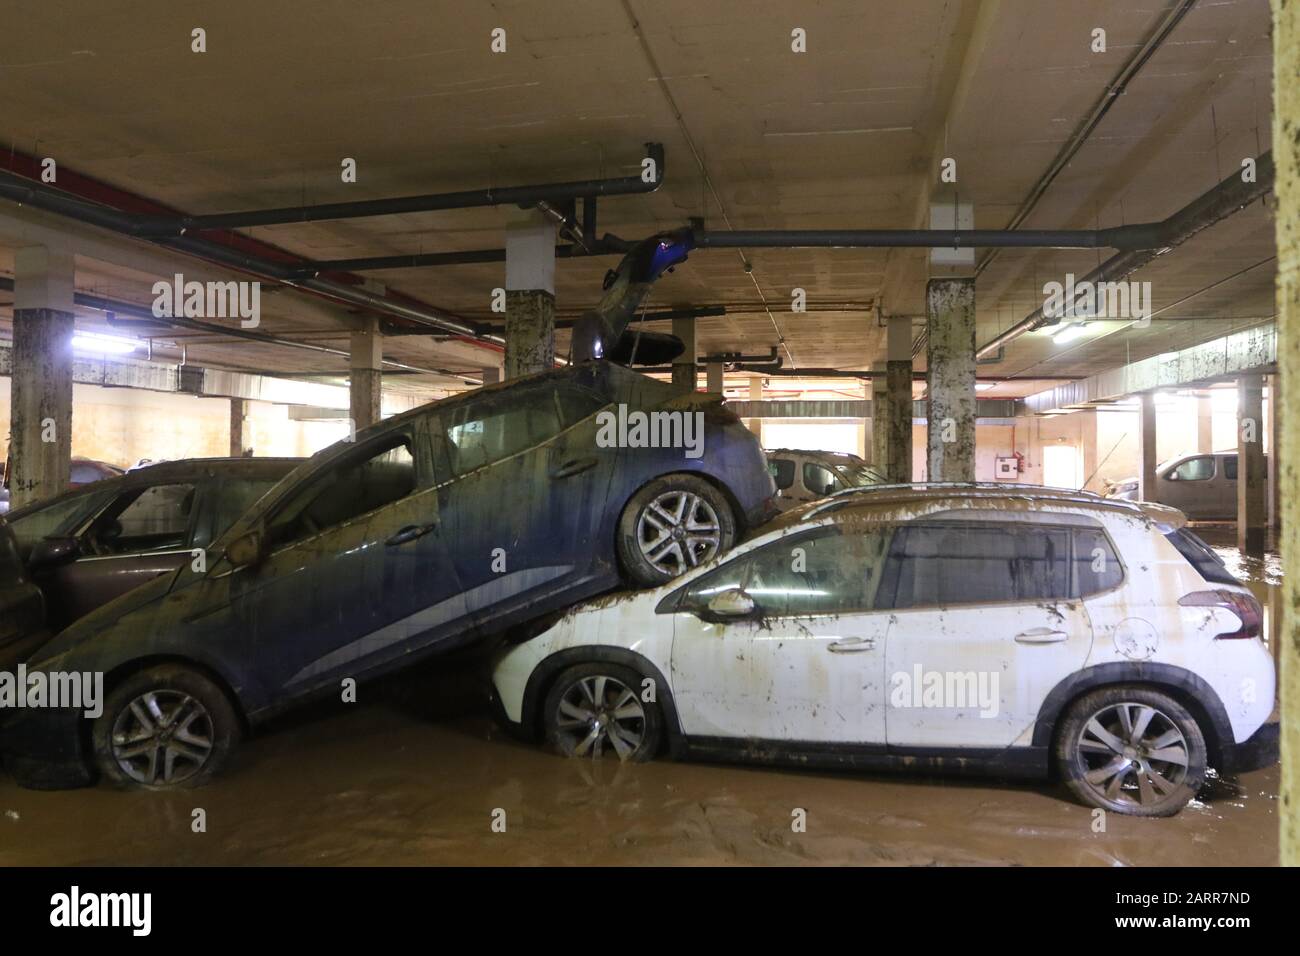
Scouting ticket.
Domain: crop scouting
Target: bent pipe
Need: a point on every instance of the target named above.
(598, 331)
(1214, 205)
(1222, 200)
(48, 199)
(506, 196)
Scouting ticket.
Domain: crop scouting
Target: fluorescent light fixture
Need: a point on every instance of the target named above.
(985, 386)
(1068, 333)
(99, 344)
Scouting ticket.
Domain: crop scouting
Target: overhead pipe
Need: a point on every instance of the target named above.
(466, 199)
(1214, 205)
(41, 196)
(142, 314)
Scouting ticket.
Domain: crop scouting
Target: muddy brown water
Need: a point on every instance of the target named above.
(417, 774)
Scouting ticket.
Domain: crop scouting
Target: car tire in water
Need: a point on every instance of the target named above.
(673, 524)
(1132, 750)
(597, 710)
(164, 728)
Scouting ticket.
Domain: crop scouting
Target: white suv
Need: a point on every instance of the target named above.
(1024, 630)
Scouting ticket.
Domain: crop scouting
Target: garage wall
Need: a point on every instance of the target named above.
(122, 426)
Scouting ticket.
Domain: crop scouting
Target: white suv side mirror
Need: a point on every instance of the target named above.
(731, 603)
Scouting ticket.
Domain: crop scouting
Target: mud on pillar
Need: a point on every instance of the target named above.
(1286, 156)
(366, 391)
(891, 405)
(40, 427)
(530, 295)
(240, 434)
(685, 377)
(950, 379)
(1252, 470)
(1147, 446)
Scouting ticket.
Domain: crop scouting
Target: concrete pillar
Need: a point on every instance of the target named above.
(40, 425)
(714, 378)
(897, 420)
(1147, 460)
(879, 416)
(491, 375)
(950, 377)
(684, 371)
(1204, 423)
(1286, 157)
(367, 375)
(1088, 448)
(1252, 498)
(755, 425)
(241, 438)
(530, 295)
(1274, 459)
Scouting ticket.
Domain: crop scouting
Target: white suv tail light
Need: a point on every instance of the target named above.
(1243, 605)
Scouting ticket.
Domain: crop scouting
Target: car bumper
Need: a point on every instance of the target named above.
(44, 749)
(1261, 749)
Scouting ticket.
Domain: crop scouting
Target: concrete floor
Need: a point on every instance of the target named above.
(415, 778)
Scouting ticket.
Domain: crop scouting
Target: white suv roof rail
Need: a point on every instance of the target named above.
(848, 496)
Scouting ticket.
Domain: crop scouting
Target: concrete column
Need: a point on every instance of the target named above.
(1252, 498)
(950, 377)
(897, 420)
(1204, 423)
(685, 377)
(241, 438)
(715, 381)
(40, 425)
(367, 375)
(1274, 459)
(530, 295)
(491, 375)
(755, 425)
(1147, 460)
(1286, 156)
(1088, 448)
(879, 416)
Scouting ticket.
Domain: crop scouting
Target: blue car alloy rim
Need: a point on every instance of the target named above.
(163, 737)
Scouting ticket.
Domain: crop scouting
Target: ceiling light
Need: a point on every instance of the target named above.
(985, 386)
(99, 344)
(1068, 333)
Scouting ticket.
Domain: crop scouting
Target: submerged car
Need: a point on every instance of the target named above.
(926, 627)
(1204, 487)
(431, 530)
(802, 476)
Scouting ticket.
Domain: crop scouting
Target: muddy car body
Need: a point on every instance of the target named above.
(1065, 630)
(802, 476)
(1202, 486)
(90, 545)
(431, 530)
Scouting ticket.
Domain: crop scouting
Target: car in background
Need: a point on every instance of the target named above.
(86, 547)
(803, 476)
(431, 530)
(932, 628)
(1202, 486)
(83, 472)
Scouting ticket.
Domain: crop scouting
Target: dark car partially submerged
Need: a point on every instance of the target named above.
(439, 527)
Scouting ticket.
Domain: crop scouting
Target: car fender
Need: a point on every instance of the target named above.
(1190, 689)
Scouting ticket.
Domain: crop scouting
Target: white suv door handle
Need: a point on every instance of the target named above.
(1041, 635)
(852, 644)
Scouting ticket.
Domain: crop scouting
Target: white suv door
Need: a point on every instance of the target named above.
(983, 627)
(808, 664)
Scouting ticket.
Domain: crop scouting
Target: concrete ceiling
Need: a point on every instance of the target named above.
(847, 135)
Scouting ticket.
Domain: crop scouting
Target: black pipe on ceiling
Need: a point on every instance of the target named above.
(1217, 203)
(141, 314)
(506, 196)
